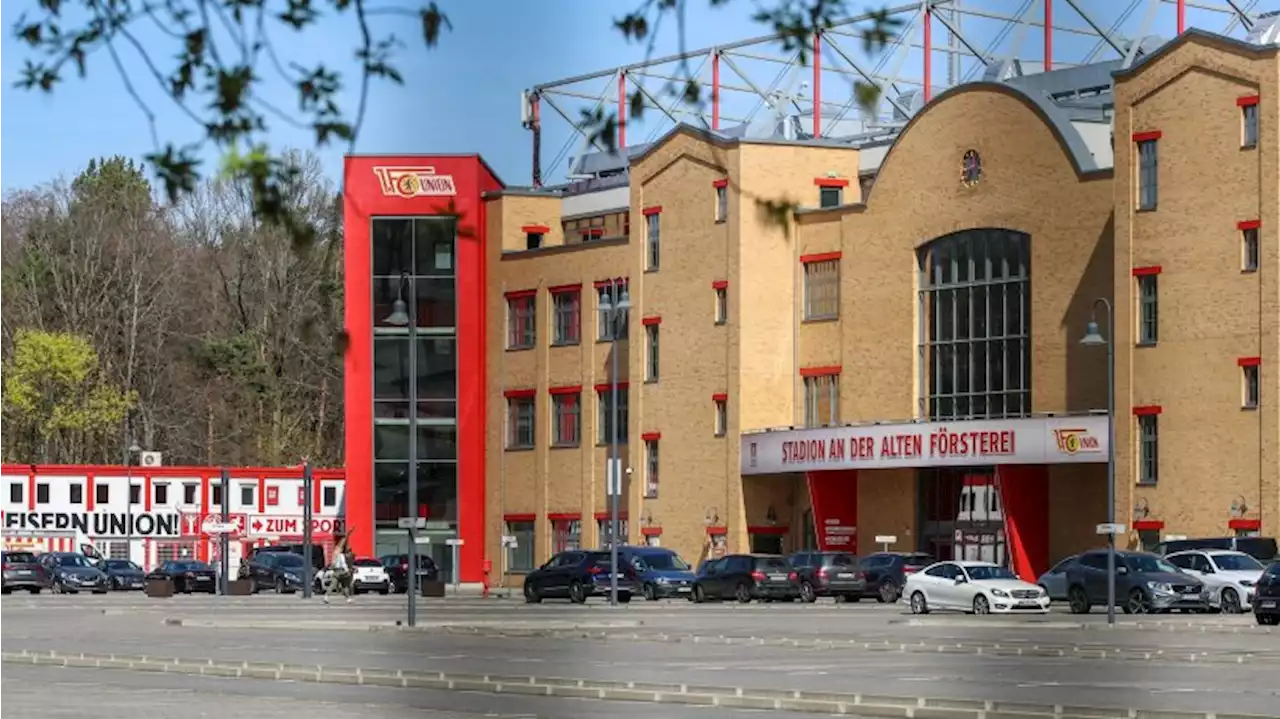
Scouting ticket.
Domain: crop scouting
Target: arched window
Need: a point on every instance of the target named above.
(975, 325)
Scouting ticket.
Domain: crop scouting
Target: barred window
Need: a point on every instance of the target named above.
(1249, 118)
(1249, 240)
(605, 526)
(614, 328)
(653, 225)
(651, 469)
(1148, 310)
(651, 353)
(1252, 386)
(822, 290)
(567, 419)
(1148, 449)
(821, 400)
(521, 321)
(568, 317)
(604, 419)
(520, 422)
(1148, 175)
(975, 325)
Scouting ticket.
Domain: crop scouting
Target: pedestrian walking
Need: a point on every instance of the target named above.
(340, 570)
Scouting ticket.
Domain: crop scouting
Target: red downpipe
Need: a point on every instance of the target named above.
(817, 84)
(1182, 16)
(928, 53)
(622, 110)
(715, 90)
(1048, 35)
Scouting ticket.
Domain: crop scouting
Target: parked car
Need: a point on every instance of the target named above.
(1144, 583)
(187, 575)
(70, 573)
(122, 574)
(886, 572)
(281, 571)
(318, 560)
(1266, 601)
(23, 571)
(1054, 581)
(397, 566)
(368, 576)
(1231, 577)
(977, 587)
(745, 577)
(662, 573)
(578, 575)
(1263, 549)
(829, 574)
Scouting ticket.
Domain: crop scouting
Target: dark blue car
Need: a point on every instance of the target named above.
(661, 572)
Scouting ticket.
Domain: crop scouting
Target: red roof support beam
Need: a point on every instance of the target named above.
(1048, 35)
(928, 53)
(1182, 16)
(817, 84)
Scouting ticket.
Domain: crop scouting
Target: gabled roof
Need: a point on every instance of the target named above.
(1230, 44)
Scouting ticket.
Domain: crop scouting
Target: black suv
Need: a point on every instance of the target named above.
(829, 574)
(745, 577)
(1266, 601)
(886, 572)
(579, 574)
(1144, 583)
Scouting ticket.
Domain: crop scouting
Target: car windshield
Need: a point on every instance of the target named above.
(289, 560)
(189, 566)
(1150, 563)
(121, 564)
(983, 573)
(368, 563)
(73, 560)
(1236, 563)
(19, 558)
(663, 561)
(919, 560)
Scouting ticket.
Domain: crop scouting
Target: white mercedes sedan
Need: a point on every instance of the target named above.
(977, 587)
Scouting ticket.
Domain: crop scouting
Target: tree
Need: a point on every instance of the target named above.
(226, 67)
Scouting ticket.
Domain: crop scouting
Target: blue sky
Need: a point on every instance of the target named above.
(458, 98)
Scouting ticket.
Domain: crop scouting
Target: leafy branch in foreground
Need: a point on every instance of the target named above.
(225, 75)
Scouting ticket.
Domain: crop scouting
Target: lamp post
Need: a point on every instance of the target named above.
(405, 315)
(131, 448)
(614, 306)
(1093, 338)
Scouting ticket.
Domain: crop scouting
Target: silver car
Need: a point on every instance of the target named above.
(1054, 581)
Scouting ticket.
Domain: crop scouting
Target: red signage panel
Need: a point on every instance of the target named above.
(834, 497)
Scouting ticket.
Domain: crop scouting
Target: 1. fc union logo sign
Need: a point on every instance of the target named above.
(409, 182)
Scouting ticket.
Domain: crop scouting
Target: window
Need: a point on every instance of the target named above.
(605, 526)
(520, 557)
(567, 310)
(822, 290)
(830, 196)
(566, 410)
(1252, 388)
(520, 422)
(607, 330)
(1148, 310)
(1249, 120)
(246, 495)
(1249, 259)
(651, 353)
(329, 496)
(651, 469)
(161, 491)
(605, 419)
(609, 226)
(1148, 449)
(975, 325)
(77, 494)
(566, 535)
(1148, 177)
(42, 493)
(821, 400)
(532, 240)
(653, 234)
(722, 202)
(15, 493)
(722, 305)
(189, 493)
(215, 494)
(521, 325)
(722, 417)
(101, 493)
(135, 494)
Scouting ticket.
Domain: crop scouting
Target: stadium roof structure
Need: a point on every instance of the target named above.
(1062, 51)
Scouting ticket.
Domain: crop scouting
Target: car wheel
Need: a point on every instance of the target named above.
(279, 586)
(34, 590)
(981, 605)
(650, 593)
(1078, 600)
(384, 591)
(1230, 602)
(577, 594)
(531, 595)
(6, 590)
(919, 605)
(1268, 620)
(888, 592)
(700, 594)
(1137, 603)
(624, 597)
(742, 594)
(807, 594)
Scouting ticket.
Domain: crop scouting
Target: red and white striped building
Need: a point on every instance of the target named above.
(151, 514)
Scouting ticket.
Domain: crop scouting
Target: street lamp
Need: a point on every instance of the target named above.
(614, 306)
(130, 450)
(1093, 338)
(404, 314)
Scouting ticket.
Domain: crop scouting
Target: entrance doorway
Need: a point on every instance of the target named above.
(961, 514)
(766, 544)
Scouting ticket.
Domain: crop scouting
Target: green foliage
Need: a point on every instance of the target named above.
(53, 389)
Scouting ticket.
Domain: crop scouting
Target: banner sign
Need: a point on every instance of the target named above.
(834, 498)
(99, 524)
(262, 525)
(1038, 440)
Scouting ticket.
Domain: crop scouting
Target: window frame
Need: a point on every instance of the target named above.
(75, 493)
(102, 493)
(1249, 249)
(247, 495)
(566, 321)
(1249, 126)
(1148, 309)
(720, 428)
(721, 295)
(722, 202)
(566, 405)
(822, 288)
(1251, 386)
(814, 387)
(42, 493)
(652, 468)
(1148, 455)
(534, 240)
(1148, 186)
(521, 410)
(522, 320)
(604, 415)
(615, 328)
(830, 192)
(160, 493)
(652, 352)
(522, 530)
(653, 241)
(17, 493)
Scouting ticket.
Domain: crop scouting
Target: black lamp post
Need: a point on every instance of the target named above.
(405, 315)
(614, 306)
(1094, 338)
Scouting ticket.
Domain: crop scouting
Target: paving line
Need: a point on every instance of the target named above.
(870, 706)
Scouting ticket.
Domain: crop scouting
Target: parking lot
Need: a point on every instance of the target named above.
(1167, 662)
